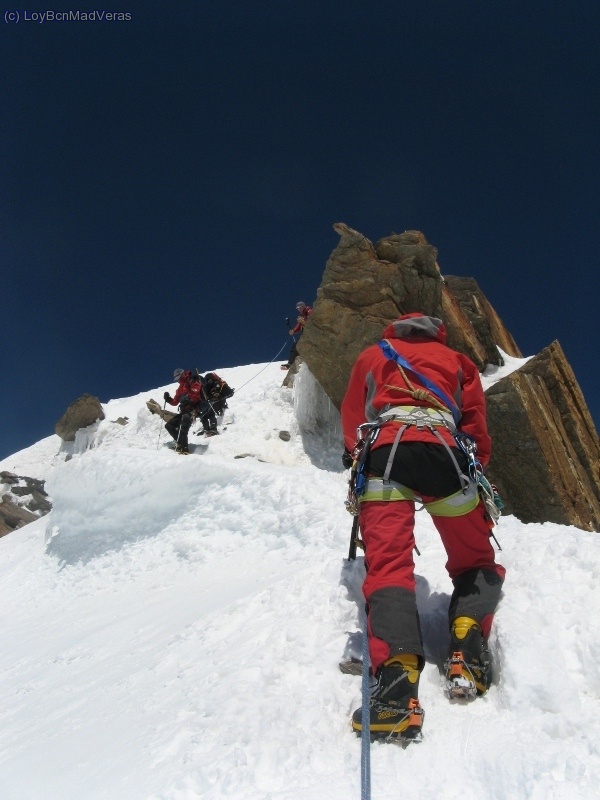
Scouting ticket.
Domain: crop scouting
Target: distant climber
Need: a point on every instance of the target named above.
(215, 393)
(188, 397)
(412, 391)
(304, 313)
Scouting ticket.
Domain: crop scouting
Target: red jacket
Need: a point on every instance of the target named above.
(187, 386)
(304, 315)
(376, 382)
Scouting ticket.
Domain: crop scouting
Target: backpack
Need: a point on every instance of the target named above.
(216, 388)
(194, 392)
(192, 397)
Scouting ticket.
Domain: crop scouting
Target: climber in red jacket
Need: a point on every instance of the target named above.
(188, 397)
(304, 313)
(416, 392)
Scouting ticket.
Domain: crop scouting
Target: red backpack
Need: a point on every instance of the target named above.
(194, 391)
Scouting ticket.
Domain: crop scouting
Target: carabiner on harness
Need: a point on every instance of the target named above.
(487, 491)
(468, 446)
(367, 433)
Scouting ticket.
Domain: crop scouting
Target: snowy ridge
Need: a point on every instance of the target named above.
(174, 627)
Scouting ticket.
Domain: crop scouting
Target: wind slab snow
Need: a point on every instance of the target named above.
(172, 630)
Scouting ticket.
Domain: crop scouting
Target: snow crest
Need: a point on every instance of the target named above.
(172, 630)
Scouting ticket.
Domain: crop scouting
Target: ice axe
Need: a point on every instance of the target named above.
(353, 539)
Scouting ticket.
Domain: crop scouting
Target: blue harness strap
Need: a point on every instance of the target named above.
(389, 352)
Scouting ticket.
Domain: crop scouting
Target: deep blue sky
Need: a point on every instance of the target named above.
(168, 185)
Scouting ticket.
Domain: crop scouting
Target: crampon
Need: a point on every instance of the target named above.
(388, 723)
(465, 681)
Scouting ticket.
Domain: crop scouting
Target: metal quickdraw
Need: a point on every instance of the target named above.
(367, 434)
(468, 446)
(487, 491)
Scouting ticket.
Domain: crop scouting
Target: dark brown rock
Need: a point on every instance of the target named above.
(366, 286)
(473, 326)
(39, 503)
(14, 514)
(546, 452)
(80, 414)
(546, 456)
(410, 250)
(28, 485)
(360, 294)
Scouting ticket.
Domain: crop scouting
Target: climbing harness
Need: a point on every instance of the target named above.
(441, 412)
(440, 400)
(422, 417)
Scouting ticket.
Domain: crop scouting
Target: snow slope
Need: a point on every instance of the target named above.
(173, 629)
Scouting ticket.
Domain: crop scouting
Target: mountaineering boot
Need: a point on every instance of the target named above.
(395, 712)
(183, 450)
(468, 668)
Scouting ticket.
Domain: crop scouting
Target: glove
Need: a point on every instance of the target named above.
(291, 332)
(347, 459)
(167, 396)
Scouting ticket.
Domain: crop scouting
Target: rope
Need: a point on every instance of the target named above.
(417, 394)
(389, 352)
(285, 344)
(250, 379)
(365, 735)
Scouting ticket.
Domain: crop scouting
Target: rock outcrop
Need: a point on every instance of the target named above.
(22, 500)
(485, 330)
(365, 286)
(546, 454)
(80, 414)
(360, 293)
(473, 326)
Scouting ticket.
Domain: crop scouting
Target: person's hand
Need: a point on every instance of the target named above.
(347, 459)
(167, 396)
